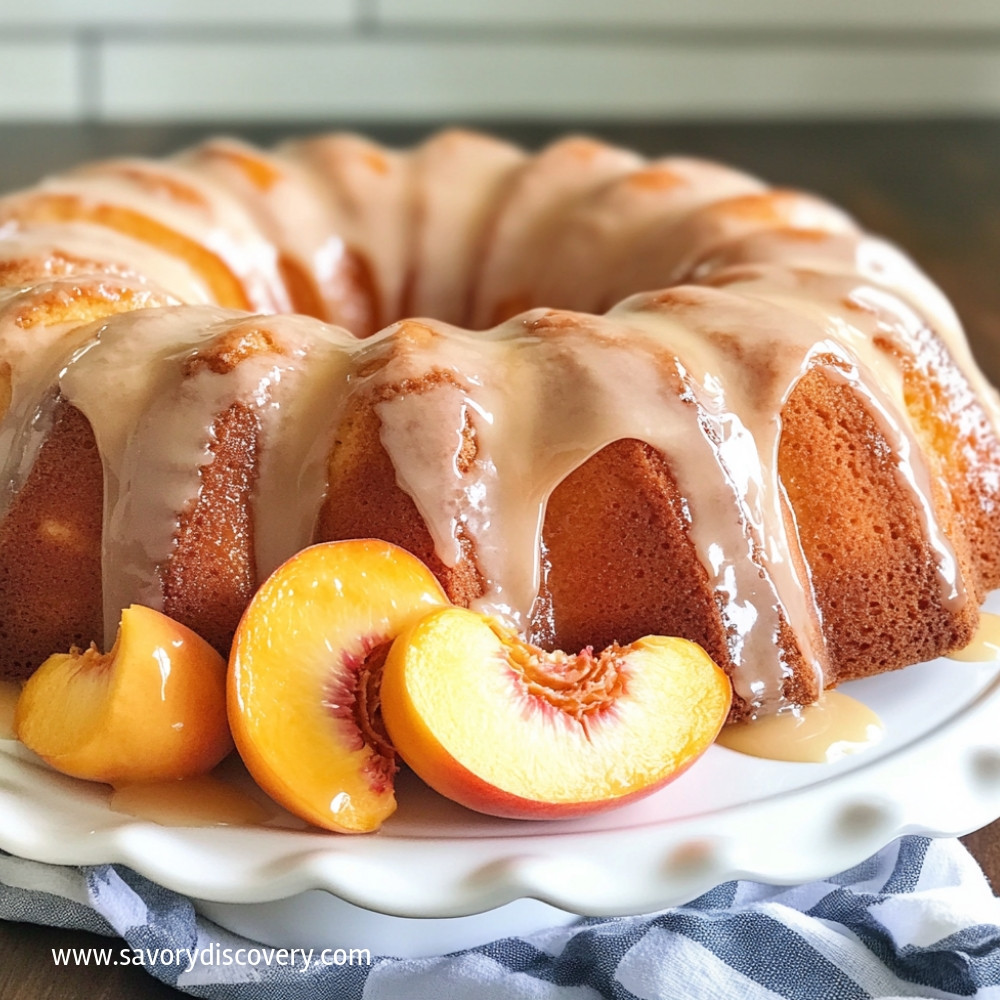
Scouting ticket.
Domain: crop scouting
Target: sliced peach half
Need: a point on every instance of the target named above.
(304, 674)
(507, 729)
(152, 709)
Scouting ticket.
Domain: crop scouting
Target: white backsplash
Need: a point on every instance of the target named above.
(133, 60)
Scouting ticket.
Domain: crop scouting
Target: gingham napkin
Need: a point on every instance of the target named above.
(916, 920)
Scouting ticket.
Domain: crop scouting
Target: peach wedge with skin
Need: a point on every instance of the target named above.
(303, 682)
(506, 729)
(152, 709)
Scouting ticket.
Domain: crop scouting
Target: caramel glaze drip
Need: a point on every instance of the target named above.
(723, 295)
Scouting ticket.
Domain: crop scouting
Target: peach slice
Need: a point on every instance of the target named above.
(507, 729)
(152, 709)
(303, 679)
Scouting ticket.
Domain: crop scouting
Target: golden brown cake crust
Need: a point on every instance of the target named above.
(210, 578)
(50, 550)
(873, 571)
(364, 499)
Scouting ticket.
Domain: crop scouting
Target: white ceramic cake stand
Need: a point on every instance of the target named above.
(471, 878)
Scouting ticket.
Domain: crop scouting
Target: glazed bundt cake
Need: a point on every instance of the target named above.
(648, 397)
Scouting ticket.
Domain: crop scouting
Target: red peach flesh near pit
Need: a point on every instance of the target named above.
(509, 730)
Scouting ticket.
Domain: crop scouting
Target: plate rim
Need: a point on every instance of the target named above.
(668, 862)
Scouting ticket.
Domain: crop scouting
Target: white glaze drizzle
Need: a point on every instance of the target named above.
(365, 198)
(214, 219)
(529, 216)
(35, 342)
(596, 237)
(152, 464)
(84, 248)
(307, 389)
(153, 427)
(825, 300)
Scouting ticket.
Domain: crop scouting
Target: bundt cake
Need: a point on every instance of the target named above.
(648, 397)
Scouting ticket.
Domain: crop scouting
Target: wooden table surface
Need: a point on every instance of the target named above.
(931, 186)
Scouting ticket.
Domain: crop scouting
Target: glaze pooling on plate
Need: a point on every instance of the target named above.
(823, 732)
(985, 645)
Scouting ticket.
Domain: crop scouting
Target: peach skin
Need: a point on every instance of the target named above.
(152, 709)
(507, 729)
(304, 678)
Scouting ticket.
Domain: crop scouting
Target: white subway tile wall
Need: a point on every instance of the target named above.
(39, 79)
(742, 15)
(113, 15)
(190, 60)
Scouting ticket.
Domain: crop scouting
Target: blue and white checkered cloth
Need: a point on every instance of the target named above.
(916, 920)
